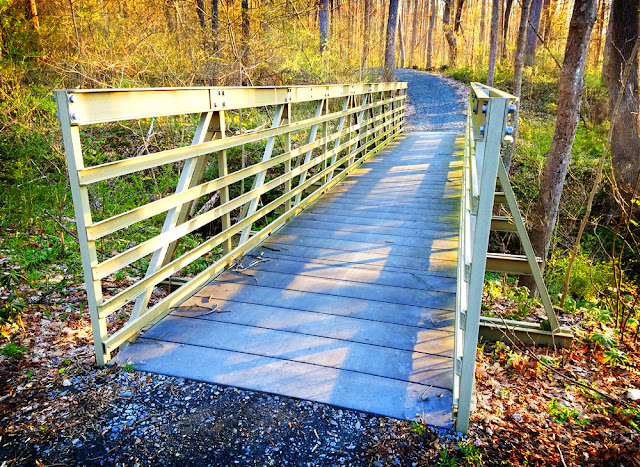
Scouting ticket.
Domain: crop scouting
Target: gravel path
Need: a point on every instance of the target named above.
(435, 103)
(143, 419)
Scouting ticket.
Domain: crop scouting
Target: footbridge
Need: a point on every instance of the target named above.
(344, 264)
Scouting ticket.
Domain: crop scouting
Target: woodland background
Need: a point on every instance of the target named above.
(46, 45)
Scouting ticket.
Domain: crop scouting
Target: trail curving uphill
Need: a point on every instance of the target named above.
(435, 103)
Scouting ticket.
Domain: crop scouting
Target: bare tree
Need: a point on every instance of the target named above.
(200, 11)
(493, 48)
(414, 31)
(432, 24)
(33, 13)
(457, 25)
(625, 141)
(569, 93)
(390, 49)
(244, 54)
(448, 32)
(532, 32)
(324, 24)
(505, 26)
(518, 65)
(367, 33)
(215, 25)
(401, 38)
(483, 9)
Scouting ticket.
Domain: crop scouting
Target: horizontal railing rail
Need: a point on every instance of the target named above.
(350, 123)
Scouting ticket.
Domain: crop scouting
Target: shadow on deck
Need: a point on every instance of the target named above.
(352, 303)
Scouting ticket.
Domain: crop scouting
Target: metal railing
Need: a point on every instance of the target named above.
(487, 127)
(483, 171)
(354, 121)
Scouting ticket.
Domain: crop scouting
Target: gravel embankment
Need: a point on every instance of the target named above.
(435, 103)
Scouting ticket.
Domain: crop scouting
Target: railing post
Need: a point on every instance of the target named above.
(287, 119)
(220, 126)
(492, 137)
(82, 208)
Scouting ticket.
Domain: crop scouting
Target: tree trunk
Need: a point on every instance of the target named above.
(367, 33)
(599, 28)
(532, 36)
(448, 32)
(215, 25)
(625, 142)
(75, 28)
(517, 78)
(483, 10)
(200, 11)
(168, 15)
(432, 24)
(390, 48)
(493, 50)
(244, 6)
(607, 50)
(324, 24)
(381, 36)
(458, 22)
(33, 10)
(401, 38)
(569, 93)
(546, 21)
(505, 27)
(414, 31)
(215, 44)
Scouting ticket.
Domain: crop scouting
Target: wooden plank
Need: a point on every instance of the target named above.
(438, 248)
(451, 221)
(346, 272)
(371, 258)
(310, 222)
(439, 240)
(404, 362)
(400, 180)
(381, 266)
(323, 303)
(386, 195)
(339, 288)
(342, 388)
(355, 193)
(414, 210)
(336, 326)
(376, 221)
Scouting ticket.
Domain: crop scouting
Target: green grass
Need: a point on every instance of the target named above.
(13, 350)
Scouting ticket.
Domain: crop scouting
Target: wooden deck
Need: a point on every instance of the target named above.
(353, 305)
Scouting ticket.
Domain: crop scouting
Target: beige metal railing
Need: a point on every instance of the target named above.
(354, 121)
(488, 126)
